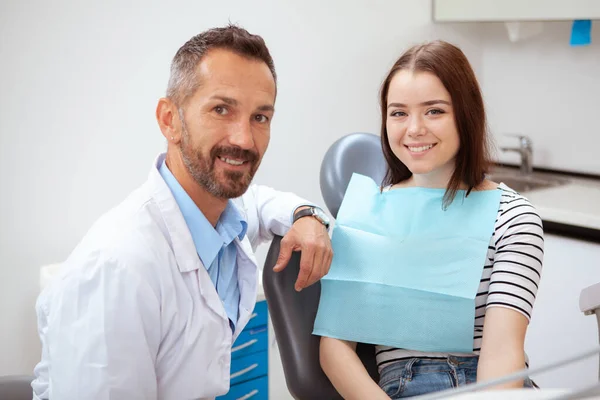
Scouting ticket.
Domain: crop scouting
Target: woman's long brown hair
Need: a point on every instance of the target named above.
(451, 66)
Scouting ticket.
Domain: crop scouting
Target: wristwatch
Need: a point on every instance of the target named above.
(315, 212)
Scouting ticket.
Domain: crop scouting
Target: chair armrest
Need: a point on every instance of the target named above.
(589, 299)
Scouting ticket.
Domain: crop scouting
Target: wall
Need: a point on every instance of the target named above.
(546, 89)
(80, 82)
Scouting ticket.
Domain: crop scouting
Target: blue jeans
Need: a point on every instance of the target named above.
(419, 376)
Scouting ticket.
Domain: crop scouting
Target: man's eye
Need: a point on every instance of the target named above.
(221, 110)
(261, 118)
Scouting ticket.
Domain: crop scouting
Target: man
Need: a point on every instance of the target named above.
(153, 297)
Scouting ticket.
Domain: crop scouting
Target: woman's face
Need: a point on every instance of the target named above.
(420, 124)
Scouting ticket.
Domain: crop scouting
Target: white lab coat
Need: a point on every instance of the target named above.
(134, 315)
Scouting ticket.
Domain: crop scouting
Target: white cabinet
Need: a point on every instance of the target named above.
(558, 329)
(514, 10)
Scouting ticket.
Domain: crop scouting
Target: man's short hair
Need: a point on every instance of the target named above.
(183, 81)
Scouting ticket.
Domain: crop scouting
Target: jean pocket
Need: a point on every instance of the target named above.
(391, 378)
(422, 383)
(417, 384)
(393, 388)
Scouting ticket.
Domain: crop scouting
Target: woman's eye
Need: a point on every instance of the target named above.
(221, 110)
(398, 114)
(435, 111)
(261, 118)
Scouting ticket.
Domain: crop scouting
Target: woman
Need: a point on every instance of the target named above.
(433, 134)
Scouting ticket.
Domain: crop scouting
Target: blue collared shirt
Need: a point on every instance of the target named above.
(215, 245)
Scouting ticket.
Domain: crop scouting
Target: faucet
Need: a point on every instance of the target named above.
(526, 151)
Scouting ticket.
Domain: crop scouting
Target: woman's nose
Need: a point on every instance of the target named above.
(416, 127)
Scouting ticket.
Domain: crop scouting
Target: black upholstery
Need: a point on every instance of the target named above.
(293, 315)
(16, 387)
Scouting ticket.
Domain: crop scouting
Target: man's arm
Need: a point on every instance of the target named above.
(275, 212)
(103, 335)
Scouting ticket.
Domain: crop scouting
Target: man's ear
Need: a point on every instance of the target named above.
(168, 120)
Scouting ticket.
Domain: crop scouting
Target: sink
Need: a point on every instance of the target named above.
(526, 183)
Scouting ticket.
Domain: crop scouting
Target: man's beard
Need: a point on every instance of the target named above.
(227, 184)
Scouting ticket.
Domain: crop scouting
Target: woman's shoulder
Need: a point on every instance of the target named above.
(487, 185)
(511, 195)
(516, 210)
(507, 193)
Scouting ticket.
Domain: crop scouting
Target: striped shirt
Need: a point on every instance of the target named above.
(511, 273)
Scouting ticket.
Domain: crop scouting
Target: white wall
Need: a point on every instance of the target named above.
(80, 83)
(546, 89)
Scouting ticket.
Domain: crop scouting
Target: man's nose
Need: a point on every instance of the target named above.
(241, 135)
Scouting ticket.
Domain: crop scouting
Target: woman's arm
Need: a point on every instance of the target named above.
(346, 371)
(502, 347)
(516, 273)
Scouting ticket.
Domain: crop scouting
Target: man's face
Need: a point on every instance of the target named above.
(226, 123)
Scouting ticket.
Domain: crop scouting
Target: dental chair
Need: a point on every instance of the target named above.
(16, 387)
(293, 313)
(589, 303)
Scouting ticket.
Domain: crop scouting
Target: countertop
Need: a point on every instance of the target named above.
(572, 208)
(573, 204)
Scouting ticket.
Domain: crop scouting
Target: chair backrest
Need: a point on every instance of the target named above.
(293, 313)
(16, 387)
(354, 153)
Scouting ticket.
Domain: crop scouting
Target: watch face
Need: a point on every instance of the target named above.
(321, 215)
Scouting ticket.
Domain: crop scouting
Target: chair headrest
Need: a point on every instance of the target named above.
(354, 153)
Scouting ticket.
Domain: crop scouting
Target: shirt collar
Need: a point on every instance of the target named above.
(207, 240)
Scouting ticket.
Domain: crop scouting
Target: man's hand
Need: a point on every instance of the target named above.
(310, 237)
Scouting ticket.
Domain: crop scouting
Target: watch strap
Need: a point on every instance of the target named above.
(308, 212)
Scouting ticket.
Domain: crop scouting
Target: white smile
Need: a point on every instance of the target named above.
(231, 161)
(420, 149)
